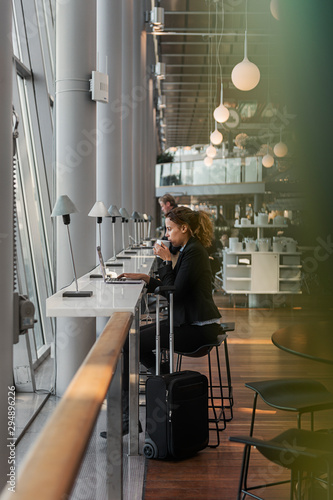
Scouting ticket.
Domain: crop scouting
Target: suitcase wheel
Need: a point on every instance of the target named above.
(150, 449)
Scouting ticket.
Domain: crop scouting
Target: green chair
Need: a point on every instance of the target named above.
(299, 396)
(307, 454)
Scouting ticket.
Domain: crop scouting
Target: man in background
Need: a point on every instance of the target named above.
(167, 202)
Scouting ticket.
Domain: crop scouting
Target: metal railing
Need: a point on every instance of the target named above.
(51, 466)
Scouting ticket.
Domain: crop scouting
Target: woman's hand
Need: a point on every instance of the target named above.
(135, 276)
(162, 251)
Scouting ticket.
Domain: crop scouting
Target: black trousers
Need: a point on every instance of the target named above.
(188, 338)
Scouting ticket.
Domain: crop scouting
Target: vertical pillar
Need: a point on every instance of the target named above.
(109, 52)
(126, 105)
(75, 150)
(143, 122)
(151, 149)
(138, 98)
(6, 233)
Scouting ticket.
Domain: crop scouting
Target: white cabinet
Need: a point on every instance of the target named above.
(261, 272)
(265, 269)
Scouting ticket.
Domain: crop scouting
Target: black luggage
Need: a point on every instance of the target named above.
(176, 406)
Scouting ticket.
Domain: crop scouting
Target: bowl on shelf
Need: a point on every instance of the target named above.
(232, 243)
(238, 247)
(250, 245)
(263, 244)
(278, 220)
(263, 219)
(278, 246)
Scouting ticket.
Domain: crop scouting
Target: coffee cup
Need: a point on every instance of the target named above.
(164, 242)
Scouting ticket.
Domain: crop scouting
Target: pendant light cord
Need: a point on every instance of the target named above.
(220, 41)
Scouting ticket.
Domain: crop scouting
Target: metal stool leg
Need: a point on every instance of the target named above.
(229, 384)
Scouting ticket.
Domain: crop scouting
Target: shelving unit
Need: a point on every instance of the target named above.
(267, 273)
(260, 227)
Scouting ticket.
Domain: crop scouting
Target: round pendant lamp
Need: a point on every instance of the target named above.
(275, 9)
(211, 151)
(208, 161)
(245, 75)
(280, 149)
(221, 113)
(268, 160)
(216, 137)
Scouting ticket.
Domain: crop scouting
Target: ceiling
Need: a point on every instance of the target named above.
(201, 42)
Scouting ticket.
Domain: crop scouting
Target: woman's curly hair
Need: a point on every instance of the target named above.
(198, 222)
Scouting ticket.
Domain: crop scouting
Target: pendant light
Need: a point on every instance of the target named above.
(208, 161)
(275, 9)
(280, 149)
(268, 160)
(211, 151)
(216, 137)
(221, 113)
(245, 75)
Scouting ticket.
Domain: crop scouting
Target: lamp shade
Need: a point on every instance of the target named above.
(124, 213)
(221, 113)
(113, 211)
(280, 149)
(135, 216)
(63, 206)
(211, 151)
(268, 161)
(99, 210)
(275, 9)
(245, 75)
(208, 161)
(216, 137)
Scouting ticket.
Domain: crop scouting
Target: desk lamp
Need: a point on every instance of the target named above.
(114, 213)
(150, 219)
(145, 220)
(99, 211)
(135, 217)
(124, 218)
(64, 206)
(140, 228)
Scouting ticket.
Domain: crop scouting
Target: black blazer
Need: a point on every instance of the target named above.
(192, 277)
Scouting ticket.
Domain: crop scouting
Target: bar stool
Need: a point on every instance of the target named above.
(216, 396)
(296, 395)
(299, 451)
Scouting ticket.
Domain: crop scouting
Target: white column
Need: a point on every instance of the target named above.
(139, 95)
(75, 149)
(126, 105)
(151, 150)
(6, 233)
(109, 115)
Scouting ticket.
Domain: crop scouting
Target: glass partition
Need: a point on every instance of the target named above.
(222, 171)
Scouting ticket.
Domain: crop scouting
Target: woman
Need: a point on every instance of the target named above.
(196, 317)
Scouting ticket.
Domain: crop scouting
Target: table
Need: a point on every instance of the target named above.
(106, 300)
(313, 340)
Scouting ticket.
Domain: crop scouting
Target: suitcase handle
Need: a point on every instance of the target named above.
(157, 291)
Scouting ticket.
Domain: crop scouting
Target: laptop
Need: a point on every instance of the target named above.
(113, 280)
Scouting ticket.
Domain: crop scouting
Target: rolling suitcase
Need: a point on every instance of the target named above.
(176, 405)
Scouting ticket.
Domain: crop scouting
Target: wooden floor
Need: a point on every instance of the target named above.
(214, 473)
